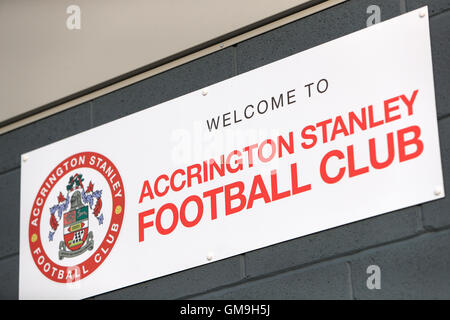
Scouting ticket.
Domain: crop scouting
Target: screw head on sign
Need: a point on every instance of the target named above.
(422, 14)
(437, 191)
(25, 157)
(204, 92)
(210, 256)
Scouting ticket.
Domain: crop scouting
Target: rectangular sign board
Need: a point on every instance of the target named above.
(335, 134)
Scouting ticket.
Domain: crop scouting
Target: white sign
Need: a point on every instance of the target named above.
(335, 134)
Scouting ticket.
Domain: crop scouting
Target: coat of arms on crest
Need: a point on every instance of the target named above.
(75, 219)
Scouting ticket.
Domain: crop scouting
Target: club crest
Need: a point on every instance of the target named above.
(76, 217)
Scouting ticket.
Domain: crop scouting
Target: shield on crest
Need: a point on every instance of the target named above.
(76, 227)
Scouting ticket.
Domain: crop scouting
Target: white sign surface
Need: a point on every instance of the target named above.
(335, 134)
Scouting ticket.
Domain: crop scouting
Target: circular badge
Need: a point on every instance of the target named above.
(76, 217)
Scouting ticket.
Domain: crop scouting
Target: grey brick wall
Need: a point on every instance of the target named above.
(411, 246)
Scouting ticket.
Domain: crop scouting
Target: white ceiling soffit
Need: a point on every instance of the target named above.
(44, 63)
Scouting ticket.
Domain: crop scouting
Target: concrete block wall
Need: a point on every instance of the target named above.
(411, 246)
